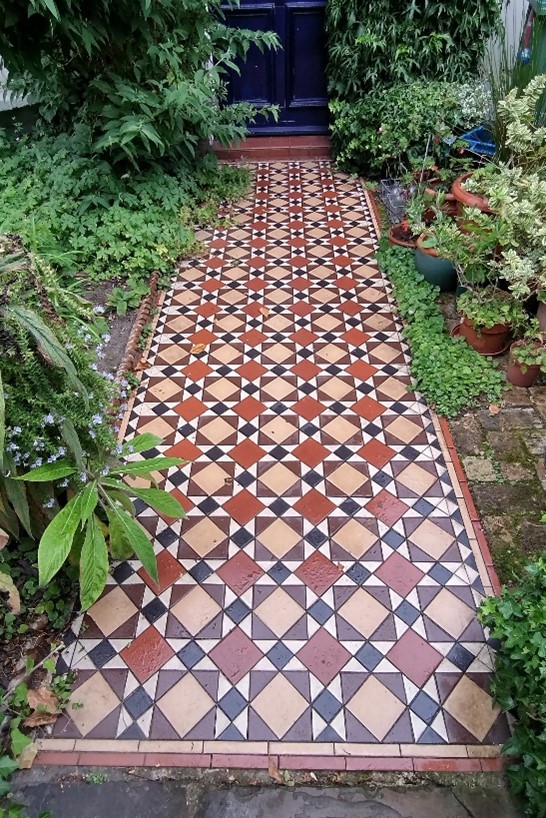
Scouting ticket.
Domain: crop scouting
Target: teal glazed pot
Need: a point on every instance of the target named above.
(436, 270)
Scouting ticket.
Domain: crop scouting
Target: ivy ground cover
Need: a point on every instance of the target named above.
(323, 587)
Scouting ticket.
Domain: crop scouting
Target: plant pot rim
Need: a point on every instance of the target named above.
(428, 251)
(465, 197)
(456, 331)
(496, 329)
(448, 195)
(400, 242)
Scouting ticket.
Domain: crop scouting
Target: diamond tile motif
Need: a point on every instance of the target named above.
(314, 592)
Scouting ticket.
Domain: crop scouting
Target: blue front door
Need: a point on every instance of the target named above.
(294, 77)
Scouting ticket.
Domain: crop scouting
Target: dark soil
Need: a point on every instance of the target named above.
(120, 326)
(403, 233)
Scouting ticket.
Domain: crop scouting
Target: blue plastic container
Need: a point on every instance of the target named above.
(480, 140)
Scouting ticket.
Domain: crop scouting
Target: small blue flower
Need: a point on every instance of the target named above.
(83, 477)
(38, 462)
(49, 503)
(49, 419)
(96, 419)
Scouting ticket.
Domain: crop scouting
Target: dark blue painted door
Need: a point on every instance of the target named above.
(294, 77)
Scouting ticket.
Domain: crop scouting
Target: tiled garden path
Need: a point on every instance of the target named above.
(321, 594)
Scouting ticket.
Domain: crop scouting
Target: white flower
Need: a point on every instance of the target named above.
(49, 419)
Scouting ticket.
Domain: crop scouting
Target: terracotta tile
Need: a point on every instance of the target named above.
(314, 506)
(240, 572)
(169, 570)
(308, 408)
(185, 449)
(249, 408)
(386, 507)
(324, 656)
(379, 763)
(399, 574)
(311, 452)
(305, 370)
(235, 655)
(376, 453)
(318, 572)
(243, 507)
(414, 657)
(177, 760)
(251, 370)
(196, 370)
(311, 762)
(368, 408)
(147, 653)
(247, 453)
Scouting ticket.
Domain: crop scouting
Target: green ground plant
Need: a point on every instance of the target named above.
(450, 374)
(85, 218)
(517, 618)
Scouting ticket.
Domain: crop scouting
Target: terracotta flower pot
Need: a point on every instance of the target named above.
(466, 199)
(541, 315)
(450, 205)
(486, 341)
(436, 270)
(518, 377)
(401, 236)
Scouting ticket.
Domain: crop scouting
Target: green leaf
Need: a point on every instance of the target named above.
(2, 423)
(57, 539)
(7, 766)
(93, 564)
(17, 496)
(70, 437)
(49, 472)
(89, 500)
(18, 741)
(121, 496)
(142, 467)
(141, 443)
(160, 501)
(135, 535)
(120, 547)
(50, 4)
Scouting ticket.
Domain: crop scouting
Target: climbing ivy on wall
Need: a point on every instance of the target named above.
(378, 42)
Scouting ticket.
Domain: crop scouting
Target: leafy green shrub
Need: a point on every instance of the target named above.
(391, 127)
(81, 215)
(373, 43)
(448, 372)
(518, 619)
(146, 77)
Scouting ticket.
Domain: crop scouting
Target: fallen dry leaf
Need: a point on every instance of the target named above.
(4, 537)
(45, 707)
(494, 409)
(141, 366)
(273, 771)
(264, 311)
(26, 759)
(197, 349)
(7, 586)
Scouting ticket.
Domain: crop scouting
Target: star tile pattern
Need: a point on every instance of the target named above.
(322, 587)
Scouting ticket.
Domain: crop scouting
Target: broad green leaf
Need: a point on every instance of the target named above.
(70, 437)
(93, 564)
(57, 540)
(49, 471)
(146, 466)
(7, 766)
(89, 500)
(135, 535)
(50, 4)
(18, 741)
(2, 423)
(120, 547)
(17, 496)
(7, 586)
(141, 443)
(160, 501)
(122, 498)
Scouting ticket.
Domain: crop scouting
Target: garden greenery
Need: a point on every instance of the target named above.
(401, 72)
(63, 477)
(146, 77)
(81, 215)
(517, 619)
(448, 372)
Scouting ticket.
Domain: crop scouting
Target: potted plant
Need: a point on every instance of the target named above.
(527, 357)
(440, 180)
(487, 317)
(401, 235)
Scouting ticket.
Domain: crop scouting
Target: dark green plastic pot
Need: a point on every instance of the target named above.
(436, 270)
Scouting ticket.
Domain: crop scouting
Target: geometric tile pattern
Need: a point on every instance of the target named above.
(322, 587)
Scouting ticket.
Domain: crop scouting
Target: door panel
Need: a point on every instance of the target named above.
(294, 77)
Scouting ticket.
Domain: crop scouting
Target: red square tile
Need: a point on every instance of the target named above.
(314, 506)
(184, 501)
(243, 507)
(169, 570)
(257, 262)
(361, 371)
(298, 261)
(211, 285)
(300, 283)
(251, 371)
(355, 337)
(207, 309)
(190, 409)
(308, 408)
(240, 572)
(256, 284)
(324, 656)
(254, 309)
(204, 336)
(386, 507)
(311, 453)
(305, 370)
(253, 338)
(414, 657)
(351, 307)
(376, 453)
(399, 574)
(318, 572)
(196, 370)
(214, 262)
(185, 449)
(249, 408)
(368, 408)
(303, 337)
(344, 283)
(301, 308)
(235, 655)
(247, 453)
(146, 654)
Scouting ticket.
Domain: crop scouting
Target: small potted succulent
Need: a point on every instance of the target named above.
(488, 314)
(527, 357)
